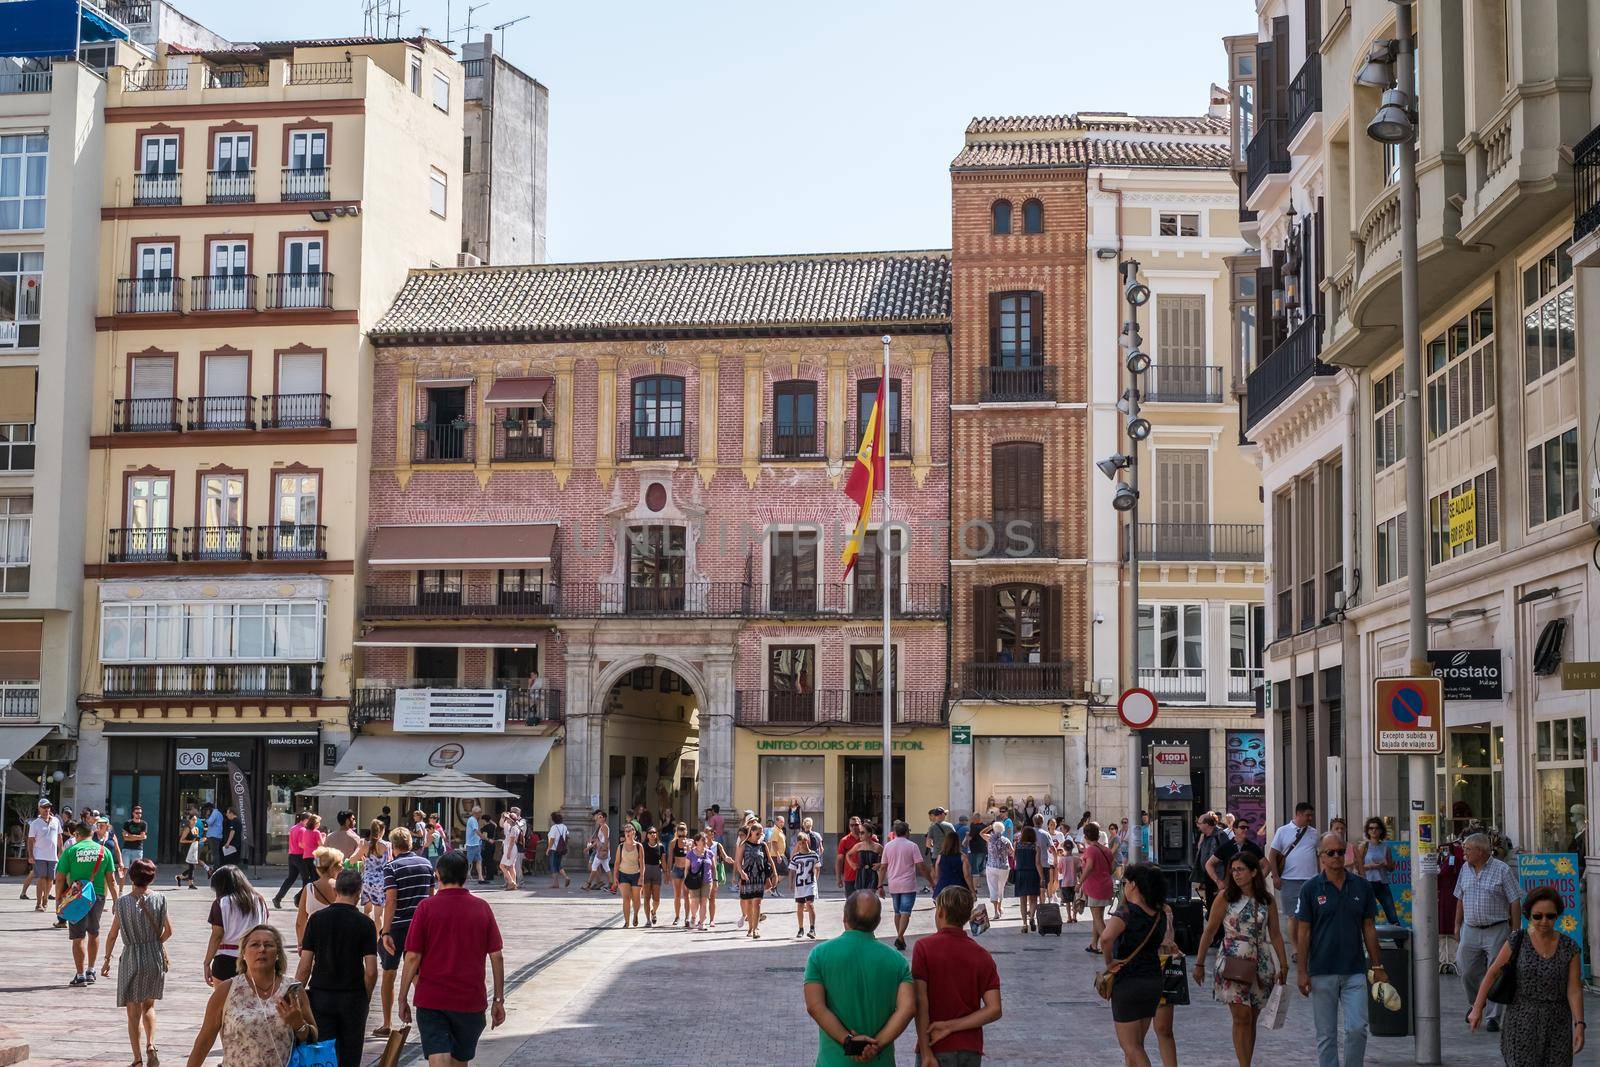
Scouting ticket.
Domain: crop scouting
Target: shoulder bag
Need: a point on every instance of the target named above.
(1107, 978)
(1504, 990)
(1283, 857)
(81, 897)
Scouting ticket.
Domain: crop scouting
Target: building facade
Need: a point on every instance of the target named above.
(505, 159)
(609, 498)
(259, 206)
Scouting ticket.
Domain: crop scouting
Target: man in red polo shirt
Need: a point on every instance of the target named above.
(958, 987)
(845, 866)
(451, 933)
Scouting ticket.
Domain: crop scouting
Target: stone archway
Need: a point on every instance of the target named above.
(651, 721)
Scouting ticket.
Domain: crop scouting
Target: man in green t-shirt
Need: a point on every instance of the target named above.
(85, 860)
(859, 990)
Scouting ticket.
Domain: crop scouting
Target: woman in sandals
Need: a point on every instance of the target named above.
(628, 874)
(753, 863)
(140, 919)
(1247, 917)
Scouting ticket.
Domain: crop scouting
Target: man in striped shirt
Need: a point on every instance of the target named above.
(1490, 898)
(407, 882)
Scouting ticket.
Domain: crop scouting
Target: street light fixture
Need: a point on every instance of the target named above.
(1114, 463)
(1392, 124)
(1378, 70)
(1138, 294)
(1138, 361)
(1138, 429)
(1124, 499)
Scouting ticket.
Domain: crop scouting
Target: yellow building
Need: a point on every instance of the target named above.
(261, 206)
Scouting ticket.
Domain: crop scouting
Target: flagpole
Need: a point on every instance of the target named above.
(886, 586)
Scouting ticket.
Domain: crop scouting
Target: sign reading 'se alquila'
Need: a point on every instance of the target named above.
(1467, 673)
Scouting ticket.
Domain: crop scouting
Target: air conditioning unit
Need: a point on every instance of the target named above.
(467, 259)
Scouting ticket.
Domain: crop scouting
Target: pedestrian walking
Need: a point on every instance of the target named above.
(101, 835)
(297, 872)
(1238, 839)
(1246, 917)
(1068, 863)
(1096, 883)
(807, 827)
(677, 865)
(778, 852)
(211, 848)
(1205, 850)
(510, 849)
(189, 838)
(866, 852)
(339, 968)
(135, 831)
(556, 851)
(345, 838)
(435, 842)
(903, 860)
(598, 850)
(846, 865)
(44, 849)
(407, 882)
(237, 910)
(803, 866)
(1029, 871)
(628, 873)
(858, 990)
(1374, 860)
(1490, 895)
(1544, 1025)
(958, 985)
(1292, 860)
(84, 863)
(473, 841)
(755, 873)
(232, 836)
(1131, 948)
(260, 1012)
(1333, 920)
(452, 935)
(698, 872)
(650, 883)
(938, 827)
(373, 856)
(141, 921)
(997, 863)
(950, 865)
(321, 893)
(721, 864)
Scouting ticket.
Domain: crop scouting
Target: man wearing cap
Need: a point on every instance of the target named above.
(44, 846)
(938, 826)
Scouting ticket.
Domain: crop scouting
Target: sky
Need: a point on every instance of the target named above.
(705, 127)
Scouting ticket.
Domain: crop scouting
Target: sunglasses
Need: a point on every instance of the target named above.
(1543, 916)
(1333, 852)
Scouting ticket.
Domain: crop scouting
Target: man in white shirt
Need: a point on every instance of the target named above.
(556, 850)
(1292, 858)
(44, 847)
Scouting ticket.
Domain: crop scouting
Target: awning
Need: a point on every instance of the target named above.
(519, 392)
(451, 545)
(15, 740)
(448, 637)
(479, 754)
(19, 784)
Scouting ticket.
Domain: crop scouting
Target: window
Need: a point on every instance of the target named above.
(1485, 505)
(21, 289)
(221, 533)
(158, 156)
(438, 191)
(296, 502)
(1244, 109)
(866, 396)
(233, 153)
(1033, 217)
(446, 432)
(1172, 650)
(1388, 432)
(1015, 330)
(1178, 224)
(791, 683)
(1332, 490)
(1549, 332)
(1019, 622)
(414, 75)
(23, 165)
(526, 434)
(148, 523)
(1183, 503)
(1247, 635)
(1305, 548)
(228, 287)
(304, 283)
(1391, 550)
(441, 91)
(867, 576)
(298, 400)
(523, 587)
(657, 559)
(1553, 489)
(439, 588)
(1000, 216)
(1244, 324)
(792, 570)
(1560, 790)
(794, 418)
(866, 681)
(16, 525)
(658, 416)
(466, 155)
(308, 150)
(1391, 152)
(1283, 562)
(1016, 487)
(210, 631)
(1180, 372)
(1461, 372)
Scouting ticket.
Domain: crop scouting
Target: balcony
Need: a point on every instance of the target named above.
(143, 544)
(19, 703)
(794, 440)
(472, 68)
(1586, 186)
(666, 440)
(155, 79)
(147, 414)
(755, 707)
(523, 706)
(1267, 153)
(26, 81)
(222, 413)
(216, 543)
(444, 442)
(128, 12)
(728, 599)
(295, 411)
(899, 439)
(289, 292)
(238, 76)
(1295, 361)
(230, 186)
(1012, 535)
(335, 73)
(157, 188)
(1040, 681)
(1201, 542)
(292, 540)
(1179, 685)
(222, 292)
(16, 447)
(524, 440)
(1243, 683)
(413, 603)
(305, 184)
(149, 296)
(1011, 385)
(1183, 383)
(1305, 93)
(825, 599)
(211, 679)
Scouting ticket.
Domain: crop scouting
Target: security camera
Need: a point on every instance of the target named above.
(1114, 463)
(1124, 499)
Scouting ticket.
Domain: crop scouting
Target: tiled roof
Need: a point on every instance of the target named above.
(1090, 152)
(268, 49)
(795, 292)
(1099, 120)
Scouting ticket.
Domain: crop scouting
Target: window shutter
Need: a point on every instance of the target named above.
(227, 376)
(994, 329)
(299, 374)
(1266, 330)
(1402, 565)
(1320, 301)
(983, 623)
(1050, 616)
(152, 377)
(1264, 75)
(1036, 324)
(1536, 485)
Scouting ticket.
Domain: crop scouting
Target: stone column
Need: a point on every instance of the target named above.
(716, 733)
(582, 772)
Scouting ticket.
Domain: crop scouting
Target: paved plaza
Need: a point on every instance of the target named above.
(582, 990)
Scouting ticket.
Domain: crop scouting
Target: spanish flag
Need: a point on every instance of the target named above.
(866, 479)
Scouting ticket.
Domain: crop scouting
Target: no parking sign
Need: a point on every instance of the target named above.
(1408, 716)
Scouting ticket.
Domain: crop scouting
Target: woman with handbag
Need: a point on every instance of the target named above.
(140, 918)
(1131, 947)
(1247, 917)
(189, 845)
(260, 1012)
(1544, 1025)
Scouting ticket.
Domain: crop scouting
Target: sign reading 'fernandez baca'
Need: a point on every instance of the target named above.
(772, 744)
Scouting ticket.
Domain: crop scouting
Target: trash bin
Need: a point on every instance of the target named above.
(1392, 943)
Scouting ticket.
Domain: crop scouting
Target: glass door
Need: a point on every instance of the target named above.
(296, 532)
(863, 790)
(303, 278)
(227, 288)
(149, 521)
(156, 285)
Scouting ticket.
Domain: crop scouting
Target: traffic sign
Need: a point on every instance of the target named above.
(1408, 716)
(1137, 708)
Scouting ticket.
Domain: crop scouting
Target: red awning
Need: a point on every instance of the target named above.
(410, 547)
(519, 392)
(449, 637)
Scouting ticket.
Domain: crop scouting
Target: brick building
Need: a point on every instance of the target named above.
(625, 478)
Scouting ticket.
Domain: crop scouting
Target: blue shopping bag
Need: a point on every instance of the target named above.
(314, 1054)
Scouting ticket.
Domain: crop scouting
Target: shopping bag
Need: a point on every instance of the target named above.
(980, 920)
(395, 1046)
(315, 1054)
(1276, 1012)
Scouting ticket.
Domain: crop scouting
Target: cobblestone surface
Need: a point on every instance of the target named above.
(585, 991)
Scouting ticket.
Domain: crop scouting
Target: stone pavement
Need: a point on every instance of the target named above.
(582, 990)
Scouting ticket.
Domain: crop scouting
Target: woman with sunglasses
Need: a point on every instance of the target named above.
(677, 864)
(650, 885)
(1246, 917)
(1374, 861)
(1543, 1025)
(628, 872)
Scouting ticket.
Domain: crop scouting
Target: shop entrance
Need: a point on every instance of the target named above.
(863, 790)
(650, 751)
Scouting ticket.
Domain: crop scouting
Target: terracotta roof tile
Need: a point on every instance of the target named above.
(1090, 152)
(1099, 120)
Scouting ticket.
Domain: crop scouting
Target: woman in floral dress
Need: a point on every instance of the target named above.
(1544, 1024)
(1247, 917)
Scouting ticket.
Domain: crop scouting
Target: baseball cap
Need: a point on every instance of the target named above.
(936, 811)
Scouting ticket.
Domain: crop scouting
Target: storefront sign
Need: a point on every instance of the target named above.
(221, 757)
(775, 745)
(241, 806)
(1408, 716)
(192, 759)
(961, 735)
(1246, 793)
(1559, 871)
(447, 755)
(1169, 767)
(1108, 774)
(1468, 673)
(291, 740)
(1580, 674)
(1464, 518)
(422, 711)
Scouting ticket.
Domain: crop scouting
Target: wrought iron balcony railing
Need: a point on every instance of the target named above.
(222, 412)
(444, 442)
(1183, 383)
(860, 707)
(1293, 362)
(1190, 542)
(142, 544)
(306, 183)
(1267, 153)
(222, 292)
(147, 414)
(1047, 681)
(295, 411)
(292, 540)
(149, 296)
(308, 289)
(1003, 385)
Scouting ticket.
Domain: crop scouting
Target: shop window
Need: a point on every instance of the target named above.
(1553, 489)
(788, 779)
(1472, 778)
(1559, 784)
(1010, 769)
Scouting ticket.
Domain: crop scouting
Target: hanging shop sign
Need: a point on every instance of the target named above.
(474, 711)
(1467, 673)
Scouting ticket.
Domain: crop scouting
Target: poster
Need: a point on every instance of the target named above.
(1246, 794)
(1169, 766)
(1559, 871)
(1400, 882)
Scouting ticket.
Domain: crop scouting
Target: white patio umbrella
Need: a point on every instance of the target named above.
(452, 784)
(356, 783)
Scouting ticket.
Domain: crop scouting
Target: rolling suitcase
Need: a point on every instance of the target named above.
(1047, 917)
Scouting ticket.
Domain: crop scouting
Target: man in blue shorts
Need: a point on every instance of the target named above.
(902, 861)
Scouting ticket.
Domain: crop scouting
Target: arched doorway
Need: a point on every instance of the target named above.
(650, 749)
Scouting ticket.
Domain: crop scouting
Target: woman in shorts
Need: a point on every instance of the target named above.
(628, 874)
(699, 871)
(677, 864)
(650, 885)
(803, 884)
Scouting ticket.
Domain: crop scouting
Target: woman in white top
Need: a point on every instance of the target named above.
(261, 1013)
(321, 893)
(237, 910)
(510, 848)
